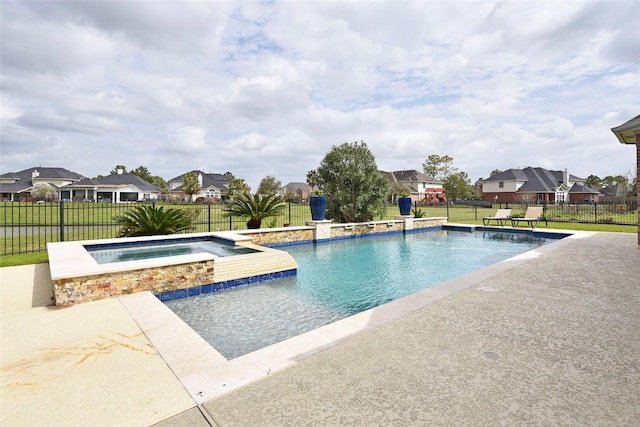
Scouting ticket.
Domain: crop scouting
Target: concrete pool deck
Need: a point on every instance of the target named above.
(549, 338)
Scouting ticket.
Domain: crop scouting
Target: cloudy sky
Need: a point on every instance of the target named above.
(266, 88)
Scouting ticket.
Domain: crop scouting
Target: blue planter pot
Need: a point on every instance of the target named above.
(404, 203)
(318, 207)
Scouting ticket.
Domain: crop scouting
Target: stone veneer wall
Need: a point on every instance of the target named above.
(201, 274)
(361, 229)
(274, 236)
(428, 222)
(156, 279)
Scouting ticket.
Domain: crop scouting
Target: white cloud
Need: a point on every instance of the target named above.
(261, 88)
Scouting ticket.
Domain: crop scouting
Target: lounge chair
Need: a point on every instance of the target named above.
(501, 217)
(532, 217)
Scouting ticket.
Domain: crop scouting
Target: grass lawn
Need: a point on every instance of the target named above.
(41, 257)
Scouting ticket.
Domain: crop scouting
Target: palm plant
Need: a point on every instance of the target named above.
(152, 220)
(255, 207)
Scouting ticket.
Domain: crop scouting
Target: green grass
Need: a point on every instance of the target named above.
(40, 257)
(577, 226)
(24, 259)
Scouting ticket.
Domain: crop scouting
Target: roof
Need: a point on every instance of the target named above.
(411, 176)
(582, 188)
(628, 131)
(216, 180)
(117, 180)
(295, 185)
(23, 180)
(128, 179)
(509, 175)
(540, 180)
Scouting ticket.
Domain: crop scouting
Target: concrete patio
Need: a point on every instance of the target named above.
(549, 338)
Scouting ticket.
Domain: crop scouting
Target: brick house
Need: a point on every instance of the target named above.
(537, 185)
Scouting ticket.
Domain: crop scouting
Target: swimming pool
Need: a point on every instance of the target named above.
(121, 252)
(338, 279)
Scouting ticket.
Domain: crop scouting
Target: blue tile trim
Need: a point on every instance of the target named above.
(282, 244)
(167, 295)
(424, 229)
(214, 287)
(357, 236)
(96, 246)
(535, 233)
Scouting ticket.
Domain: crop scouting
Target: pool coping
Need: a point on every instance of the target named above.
(71, 259)
(206, 374)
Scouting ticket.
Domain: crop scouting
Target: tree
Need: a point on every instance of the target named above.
(495, 172)
(439, 167)
(115, 170)
(457, 186)
(142, 172)
(476, 189)
(397, 190)
(190, 184)
(237, 186)
(616, 179)
(255, 207)
(43, 191)
(355, 188)
(151, 220)
(313, 179)
(594, 181)
(269, 185)
(156, 180)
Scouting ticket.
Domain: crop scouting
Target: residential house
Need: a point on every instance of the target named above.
(213, 186)
(17, 186)
(296, 191)
(629, 133)
(422, 187)
(114, 188)
(616, 193)
(537, 185)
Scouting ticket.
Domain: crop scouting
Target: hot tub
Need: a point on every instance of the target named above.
(150, 265)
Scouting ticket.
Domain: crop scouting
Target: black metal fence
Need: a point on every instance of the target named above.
(592, 213)
(28, 227)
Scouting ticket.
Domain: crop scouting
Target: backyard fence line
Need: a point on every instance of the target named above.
(28, 227)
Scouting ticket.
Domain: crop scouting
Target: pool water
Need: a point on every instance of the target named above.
(122, 252)
(338, 279)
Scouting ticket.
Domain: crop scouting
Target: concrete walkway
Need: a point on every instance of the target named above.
(86, 365)
(554, 340)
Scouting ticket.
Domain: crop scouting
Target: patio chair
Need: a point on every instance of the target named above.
(501, 217)
(532, 217)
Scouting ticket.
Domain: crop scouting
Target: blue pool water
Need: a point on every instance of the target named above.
(120, 252)
(338, 279)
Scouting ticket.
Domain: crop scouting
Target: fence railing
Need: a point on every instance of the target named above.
(592, 213)
(28, 227)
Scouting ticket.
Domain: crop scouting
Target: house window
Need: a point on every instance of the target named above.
(128, 197)
(560, 196)
(211, 193)
(501, 184)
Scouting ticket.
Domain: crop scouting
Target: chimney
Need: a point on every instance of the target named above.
(120, 171)
(565, 178)
(35, 174)
(200, 179)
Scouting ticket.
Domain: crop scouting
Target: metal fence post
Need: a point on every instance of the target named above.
(61, 220)
(595, 212)
(209, 217)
